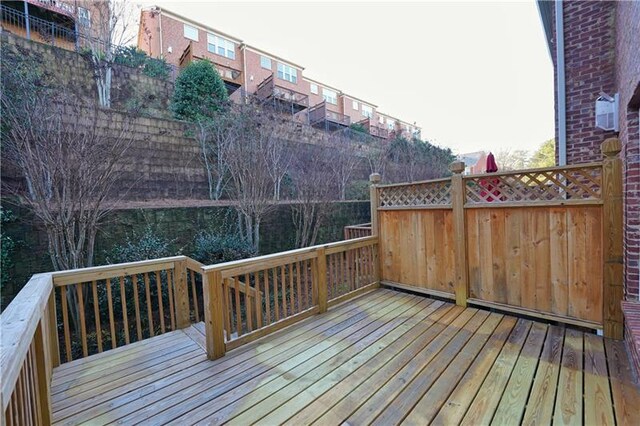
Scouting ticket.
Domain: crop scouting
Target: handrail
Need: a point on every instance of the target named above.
(284, 254)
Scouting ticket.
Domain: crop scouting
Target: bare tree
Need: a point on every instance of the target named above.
(343, 164)
(378, 157)
(215, 138)
(109, 28)
(249, 171)
(312, 181)
(278, 158)
(69, 166)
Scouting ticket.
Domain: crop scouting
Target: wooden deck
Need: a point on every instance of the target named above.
(384, 358)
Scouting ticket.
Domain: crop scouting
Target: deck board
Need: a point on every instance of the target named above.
(386, 358)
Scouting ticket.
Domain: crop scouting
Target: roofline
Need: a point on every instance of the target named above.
(271, 55)
(545, 9)
(311, 80)
(399, 120)
(194, 23)
(362, 101)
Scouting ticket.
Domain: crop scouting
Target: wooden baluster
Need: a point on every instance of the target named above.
(28, 389)
(65, 323)
(22, 397)
(298, 286)
(274, 273)
(283, 281)
(330, 282)
(172, 311)
(149, 307)
(54, 341)
(83, 325)
(96, 314)
(267, 297)
(238, 312)
(247, 303)
(136, 303)
(112, 326)
(195, 295)
(292, 308)
(125, 317)
(160, 302)
(305, 287)
(258, 299)
(226, 308)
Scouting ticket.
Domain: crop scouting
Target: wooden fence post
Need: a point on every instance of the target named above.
(461, 284)
(183, 314)
(374, 178)
(320, 279)
(374, 197)
(213, 314)
(613, 255)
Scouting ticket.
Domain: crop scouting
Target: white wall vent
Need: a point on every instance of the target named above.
(607, 112)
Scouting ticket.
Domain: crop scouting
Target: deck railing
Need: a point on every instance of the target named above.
(288, 287)
(357, 231)
(541, 242)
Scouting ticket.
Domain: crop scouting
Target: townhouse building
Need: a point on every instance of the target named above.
(247, 69)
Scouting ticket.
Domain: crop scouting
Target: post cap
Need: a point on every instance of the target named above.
(611, 147)
(375, 178)
(457, 167)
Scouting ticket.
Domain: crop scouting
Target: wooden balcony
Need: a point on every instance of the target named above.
(280, 96)
(374, 130)
(322, 117)
(476, 299)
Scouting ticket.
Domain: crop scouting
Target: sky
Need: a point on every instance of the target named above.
(474, 75)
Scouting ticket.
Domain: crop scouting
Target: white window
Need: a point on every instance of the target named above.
(265, 62)
(314, 88)
(191, 32)
(391, 124)
(285, 72)
(380, 119)
(355, 105)
(84, 17)
(330, 96)
(221, 46)
(367, 111)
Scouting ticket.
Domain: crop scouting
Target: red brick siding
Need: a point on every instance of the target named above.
(631, 312)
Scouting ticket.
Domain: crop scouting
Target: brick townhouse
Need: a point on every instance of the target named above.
(248, 69)
(63, 23)
(599, 57)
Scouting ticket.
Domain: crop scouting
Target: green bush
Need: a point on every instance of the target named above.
(133, 57)
(212, 248)
(357, 127)
(199, 92)
(136, 247)
(7, 246)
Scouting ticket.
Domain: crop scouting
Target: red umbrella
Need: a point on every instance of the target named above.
(492, 167)
(492, 192)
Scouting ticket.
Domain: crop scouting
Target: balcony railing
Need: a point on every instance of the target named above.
(270, 89)
(14, 20)
(320, 113)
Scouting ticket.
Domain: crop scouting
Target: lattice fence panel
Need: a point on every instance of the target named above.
(416, 195)
(583, 183)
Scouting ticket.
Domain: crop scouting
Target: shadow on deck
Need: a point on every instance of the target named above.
(385, 357)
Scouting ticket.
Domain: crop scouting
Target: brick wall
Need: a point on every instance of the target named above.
(602, 40)
(627, 72)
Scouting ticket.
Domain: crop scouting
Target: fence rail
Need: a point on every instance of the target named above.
(357, 231)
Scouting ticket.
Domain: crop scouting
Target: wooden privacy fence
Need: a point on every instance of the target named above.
(287, 287)
(541, 242)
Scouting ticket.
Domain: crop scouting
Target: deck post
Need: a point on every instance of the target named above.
(183, 316)
(320, 279)
(374, 197)
(613, 255)
(213, 314)
(461, 283)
